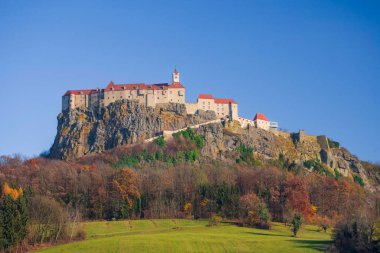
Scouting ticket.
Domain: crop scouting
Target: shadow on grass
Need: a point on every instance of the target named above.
(267, 234)
(312, 244)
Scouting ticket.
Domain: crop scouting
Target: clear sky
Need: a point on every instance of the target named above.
(312, 65)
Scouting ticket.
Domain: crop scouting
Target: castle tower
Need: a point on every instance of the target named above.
(175, 76)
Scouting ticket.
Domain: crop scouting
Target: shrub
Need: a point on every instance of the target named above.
(337, 174)
(264, 216)
(127, 161)
(323, 171)
(48, 220)
(311, 164)
(214, 220)
(160, 141)
(333, 144)
(358, 179)
(80, 234)
(318, 167)
(324, 223)
(356, 234)
(187, 208)
(246, 153)
(191, 135)
(296, 224)
(254, 211)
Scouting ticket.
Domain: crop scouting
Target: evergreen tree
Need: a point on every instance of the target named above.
(296, 223)
(13, 217)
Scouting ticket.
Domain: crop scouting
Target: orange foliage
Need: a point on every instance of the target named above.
(298, 196)
(187, 207)
(13, 193)
(125, 183)
(33, 163)
(204, 202)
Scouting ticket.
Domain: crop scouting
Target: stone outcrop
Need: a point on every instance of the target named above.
(219, 140)
(84, 131)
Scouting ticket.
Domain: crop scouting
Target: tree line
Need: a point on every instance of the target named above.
(135, 183)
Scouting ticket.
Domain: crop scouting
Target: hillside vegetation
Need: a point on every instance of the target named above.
(214, 172)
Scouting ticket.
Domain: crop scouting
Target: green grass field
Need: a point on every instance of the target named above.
(192, 236)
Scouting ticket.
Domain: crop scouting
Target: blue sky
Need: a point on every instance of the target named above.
(312, 65)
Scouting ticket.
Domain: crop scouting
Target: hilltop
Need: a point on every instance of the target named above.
(131, 161)
(125, 123)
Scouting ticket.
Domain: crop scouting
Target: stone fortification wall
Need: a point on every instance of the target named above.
(284, 134)
(323, 142)
(191, 108)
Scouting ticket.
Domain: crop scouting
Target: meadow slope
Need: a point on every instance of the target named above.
(192, 236)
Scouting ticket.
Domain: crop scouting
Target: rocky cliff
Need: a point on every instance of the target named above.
(222, 141)
(84, 131)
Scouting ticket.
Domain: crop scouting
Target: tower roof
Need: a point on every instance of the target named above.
(260, 116)
(175, 71)
(176, 85)
(217, 100)
(205, 96)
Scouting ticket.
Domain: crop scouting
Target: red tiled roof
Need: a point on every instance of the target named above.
(80, 92)
(217, 100)
(260, 116)
(205, 96)
(136, 86)
(224, 101)
(175, 85)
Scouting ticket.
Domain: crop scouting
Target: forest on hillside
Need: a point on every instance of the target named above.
(172, 180)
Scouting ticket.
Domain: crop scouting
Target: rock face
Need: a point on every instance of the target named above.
(84, 131)
(296, 148)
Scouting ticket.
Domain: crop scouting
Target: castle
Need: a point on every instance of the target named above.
(149, 95)
(153, 94)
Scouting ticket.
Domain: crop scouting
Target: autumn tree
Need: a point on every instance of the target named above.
(296, 196)
(124, 183)
(49, 221)
(357, 233)
(324, 222)
(13, 217)
(254, 211)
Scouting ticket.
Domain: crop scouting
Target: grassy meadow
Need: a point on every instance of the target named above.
(169, 235)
